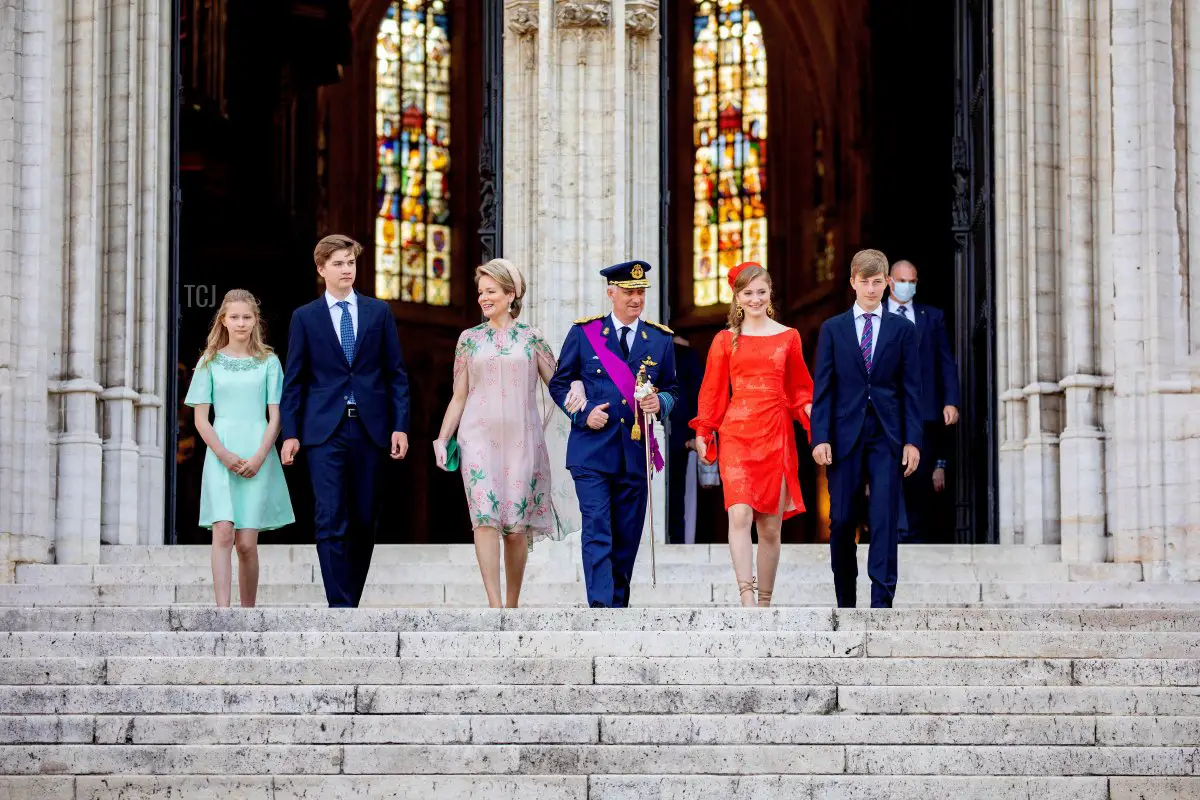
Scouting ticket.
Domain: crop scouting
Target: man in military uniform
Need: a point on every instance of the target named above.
(607, 451)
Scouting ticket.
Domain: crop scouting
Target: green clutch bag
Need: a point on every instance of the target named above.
(452, 454)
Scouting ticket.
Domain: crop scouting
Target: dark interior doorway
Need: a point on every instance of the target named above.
(861, 118)
(277, 146)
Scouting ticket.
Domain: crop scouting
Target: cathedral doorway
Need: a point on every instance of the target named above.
(799, 131)
(362, 117)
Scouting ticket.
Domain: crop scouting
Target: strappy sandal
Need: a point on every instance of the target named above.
(750, 586)
(764, 597)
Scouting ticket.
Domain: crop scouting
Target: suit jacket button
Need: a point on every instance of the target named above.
(623, 402)
(597, 372)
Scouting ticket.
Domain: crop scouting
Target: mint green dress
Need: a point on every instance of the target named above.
(239, 390)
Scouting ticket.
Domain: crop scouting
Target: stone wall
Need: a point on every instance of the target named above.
(1096, 281)
(85, 187)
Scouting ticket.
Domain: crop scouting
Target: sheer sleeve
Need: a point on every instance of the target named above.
(274, 380)
(462, 353)
(200, 391)
(798, 383)
(714, 393)
(541, 349)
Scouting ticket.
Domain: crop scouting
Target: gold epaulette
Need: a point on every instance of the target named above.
(583, 320)
(660, 326)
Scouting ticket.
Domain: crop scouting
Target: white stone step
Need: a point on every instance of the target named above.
(464, 554)
(1147, 701)
(198, 670)
(418, 699)
(578, 644)
(599, 787)
(911, 595)
(668, 729)
(179, 619)
(171, 701)
(568, 759)
(560, 572)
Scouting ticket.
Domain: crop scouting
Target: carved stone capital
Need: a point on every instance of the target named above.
(641, 17)
(590, 14)
(522, 16)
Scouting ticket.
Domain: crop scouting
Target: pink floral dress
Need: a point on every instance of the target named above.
(504, 461)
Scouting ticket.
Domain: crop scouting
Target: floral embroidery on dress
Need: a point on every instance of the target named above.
(243, 364)
(506, 464)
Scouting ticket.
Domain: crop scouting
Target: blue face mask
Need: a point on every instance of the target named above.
(903, 291)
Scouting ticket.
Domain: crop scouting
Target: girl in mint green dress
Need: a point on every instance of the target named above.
(243, 490)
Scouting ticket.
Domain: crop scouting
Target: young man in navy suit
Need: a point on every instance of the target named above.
(939, 399)
(345, 399)
(866, 426)
(606, 452)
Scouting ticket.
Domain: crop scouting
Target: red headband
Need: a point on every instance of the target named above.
(733, 273)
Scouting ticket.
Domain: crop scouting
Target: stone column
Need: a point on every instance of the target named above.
(1190, 555)
(1009, 65)
(1028, 282)
(577, 182)
(153, 369)
(119, 267)
(82, 335)
(1155, 376)
(639, 125)
(26, 521)
(1081, 442)
(1042, 393)
(77, 446)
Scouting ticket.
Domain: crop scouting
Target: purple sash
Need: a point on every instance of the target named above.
(623, 377)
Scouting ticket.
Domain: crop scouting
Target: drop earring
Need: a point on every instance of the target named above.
(740, 313)
(770, 309)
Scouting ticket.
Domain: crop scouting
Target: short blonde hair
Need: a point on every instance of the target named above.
(331, 244)
(868, 264)
(509, 277)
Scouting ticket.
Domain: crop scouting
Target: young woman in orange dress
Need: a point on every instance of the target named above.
(756, 383)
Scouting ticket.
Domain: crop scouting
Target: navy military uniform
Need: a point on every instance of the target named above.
(609, 465)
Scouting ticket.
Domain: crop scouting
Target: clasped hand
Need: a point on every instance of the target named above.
(245, 467)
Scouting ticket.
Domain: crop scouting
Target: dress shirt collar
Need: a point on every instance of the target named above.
(332, 301)
(894, 307)
(617, 325)
(860, 312)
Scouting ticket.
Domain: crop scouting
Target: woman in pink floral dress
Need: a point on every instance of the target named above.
(504, 461)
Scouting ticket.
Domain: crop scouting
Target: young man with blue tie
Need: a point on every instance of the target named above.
(866, 427)
(939, 400)
(345, 399)
(607, 450)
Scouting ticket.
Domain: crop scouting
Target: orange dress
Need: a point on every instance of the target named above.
(770, 386)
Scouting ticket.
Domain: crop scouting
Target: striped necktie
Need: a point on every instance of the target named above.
(864, 346)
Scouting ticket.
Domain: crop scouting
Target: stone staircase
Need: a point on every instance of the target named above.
(688, 576)
(809, 703)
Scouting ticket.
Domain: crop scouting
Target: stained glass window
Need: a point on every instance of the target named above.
(412, 131)
(729, 225)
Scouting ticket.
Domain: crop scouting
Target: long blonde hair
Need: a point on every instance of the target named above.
(743, 279)
(218, 334)
(509, 277)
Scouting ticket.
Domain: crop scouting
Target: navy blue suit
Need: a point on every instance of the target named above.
(608, 465)
(939, 388)
(866, 419)
(345, 445)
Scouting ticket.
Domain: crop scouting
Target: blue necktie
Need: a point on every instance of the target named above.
(347, 334)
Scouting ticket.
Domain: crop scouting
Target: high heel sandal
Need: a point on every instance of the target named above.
(750, 586)
(764, 597)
